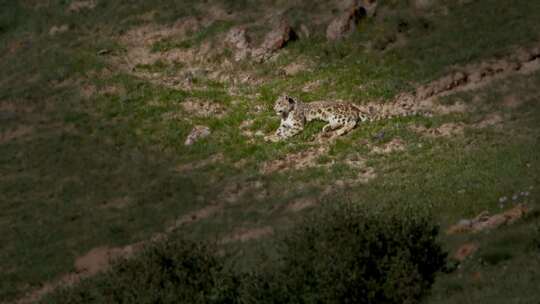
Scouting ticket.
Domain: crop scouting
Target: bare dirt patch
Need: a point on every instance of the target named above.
(452, 129)
(445, 130)
(300, 160)
(465, 251)
(295, 68)
(194, 217)
(48, 287)
(492, 119)
(244, 235)
(512, 101)
(95, 261)
(395, 145)
(17, 133)
(87, 90)
(301, 204)
(165, 55)
(233, 192)
(478, 75)
(79, 5)
(139, 43)
(15, 107)
(112, 90)
(486, 222)
(100, 258)
(466, 78)
(58, 29)
(312, 85)
(203, 108)
(200, 164)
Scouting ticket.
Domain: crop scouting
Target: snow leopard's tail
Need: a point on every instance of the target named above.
(403, 105)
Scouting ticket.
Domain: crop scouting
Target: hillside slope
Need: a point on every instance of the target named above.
(97, 99)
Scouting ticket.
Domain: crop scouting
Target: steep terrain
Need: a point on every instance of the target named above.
(123, 122)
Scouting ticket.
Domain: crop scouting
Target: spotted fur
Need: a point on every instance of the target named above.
(341, 117)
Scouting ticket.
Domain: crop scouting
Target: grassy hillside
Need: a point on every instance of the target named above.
(98, 97)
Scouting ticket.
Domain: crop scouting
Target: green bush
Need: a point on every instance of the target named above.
(344, 254)
(352, 255)
(174, 271)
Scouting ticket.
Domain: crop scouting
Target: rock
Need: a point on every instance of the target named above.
(196, 134)
(345, 23)
(237, 38)
(370, 6)
(486, 222)
(465, 251)
(304, 30)
(294, 68)
(58, 29)
(275, 40)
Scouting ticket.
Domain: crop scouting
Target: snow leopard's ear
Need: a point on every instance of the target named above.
(291, 100)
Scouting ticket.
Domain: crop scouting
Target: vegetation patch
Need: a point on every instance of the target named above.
(348, 254)
(345, 254)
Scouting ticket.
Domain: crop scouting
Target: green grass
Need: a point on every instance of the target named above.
(83, 153)
(194, 39)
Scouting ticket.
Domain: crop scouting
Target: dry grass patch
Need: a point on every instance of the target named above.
(244, 235)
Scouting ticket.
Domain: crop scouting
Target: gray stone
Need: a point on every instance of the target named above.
(197, 133)
(346, 22)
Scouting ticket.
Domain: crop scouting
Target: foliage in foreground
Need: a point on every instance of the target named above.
(346, 254)
(172, 271)
(352, 255)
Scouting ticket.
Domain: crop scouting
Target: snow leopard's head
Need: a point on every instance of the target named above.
(284, 105)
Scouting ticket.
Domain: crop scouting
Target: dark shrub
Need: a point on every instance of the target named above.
(536, 237)
(352, 255)
(344, 254)
(174, 271)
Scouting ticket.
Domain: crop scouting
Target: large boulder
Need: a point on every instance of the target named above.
(279, 36)
(345, 23)
(275, 40)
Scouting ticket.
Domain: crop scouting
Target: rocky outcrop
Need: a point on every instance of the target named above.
(275, 40)
(196, 134)
(238, 40)
(345, 23)
(484, 221)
